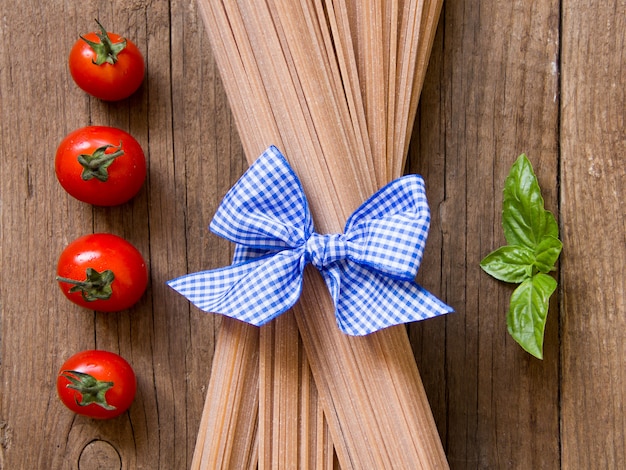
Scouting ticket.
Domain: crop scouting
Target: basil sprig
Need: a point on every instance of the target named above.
(533, 248)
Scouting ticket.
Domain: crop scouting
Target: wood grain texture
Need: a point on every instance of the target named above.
(169, 346)
(593, 274)
(545, 78)
(490, 94)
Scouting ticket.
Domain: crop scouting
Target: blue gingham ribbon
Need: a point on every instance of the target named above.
(370, 269)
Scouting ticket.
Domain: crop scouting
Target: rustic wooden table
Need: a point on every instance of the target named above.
(544, 78)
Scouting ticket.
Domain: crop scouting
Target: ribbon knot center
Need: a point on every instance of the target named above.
(323, 250)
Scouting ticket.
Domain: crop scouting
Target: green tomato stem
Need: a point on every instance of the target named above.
(106, 51)
(92, 390)
(96, 286)
(96, 165)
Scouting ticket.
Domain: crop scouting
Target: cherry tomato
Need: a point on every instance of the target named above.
(100, 165)
(98, 384)
(102, 272)
(106, 65)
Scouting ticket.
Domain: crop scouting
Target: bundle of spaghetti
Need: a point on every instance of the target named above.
(335, 86)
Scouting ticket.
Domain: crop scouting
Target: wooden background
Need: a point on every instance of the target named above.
(545, 78)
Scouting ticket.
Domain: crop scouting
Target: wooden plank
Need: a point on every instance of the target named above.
(169, 346)
(36, 223)
(427, 157)
(490, 94)
(593, 270)
(213, 160)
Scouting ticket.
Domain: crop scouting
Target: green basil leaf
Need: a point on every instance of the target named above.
(528, 310)
(524, 220)
(532, 251)
(509, 263)
(547, 252)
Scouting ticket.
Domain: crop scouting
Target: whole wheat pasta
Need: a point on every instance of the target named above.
(335, 85)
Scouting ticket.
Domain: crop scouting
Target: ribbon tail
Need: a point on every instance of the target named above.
(255, 291)
(367, 301)
(246, 253)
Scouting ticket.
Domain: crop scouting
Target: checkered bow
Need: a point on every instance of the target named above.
(370, 269)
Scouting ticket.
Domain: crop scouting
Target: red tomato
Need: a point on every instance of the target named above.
(100, 165)
(102, 272)
(98, 384)
(106, 65)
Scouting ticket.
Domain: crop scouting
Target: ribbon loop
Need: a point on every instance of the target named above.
(391, 227)
(370, 269)
(266, 208)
